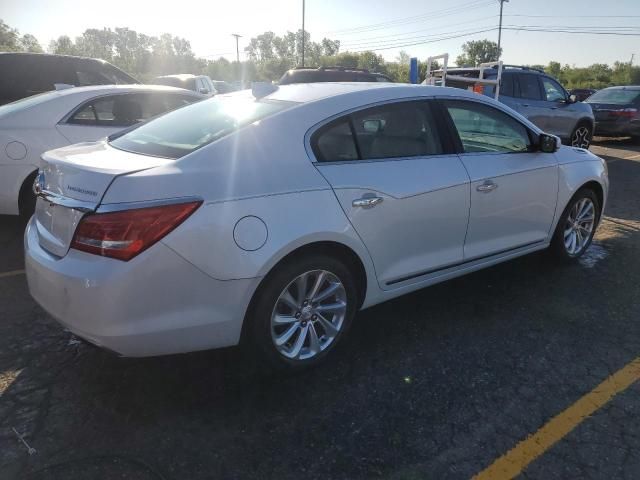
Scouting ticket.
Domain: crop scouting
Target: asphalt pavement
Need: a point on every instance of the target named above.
(438, 384)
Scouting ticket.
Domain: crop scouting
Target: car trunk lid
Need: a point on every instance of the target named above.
(72, 182)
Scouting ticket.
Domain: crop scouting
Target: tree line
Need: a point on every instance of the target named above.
(268, 56)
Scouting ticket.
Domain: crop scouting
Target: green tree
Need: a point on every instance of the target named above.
(29, 43)
(476, 52)
(9, 38)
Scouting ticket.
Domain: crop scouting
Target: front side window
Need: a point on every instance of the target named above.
(482, 128)
(552, 90)
(182, 131)
(394, 130)
(529, 87)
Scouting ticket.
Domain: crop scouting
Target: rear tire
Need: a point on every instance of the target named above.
(577, 226)
(302, 311)
(581, 136)
(27, 199)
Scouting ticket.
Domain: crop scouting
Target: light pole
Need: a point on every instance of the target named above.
(237, 48)
(303, 33)
(500, 27)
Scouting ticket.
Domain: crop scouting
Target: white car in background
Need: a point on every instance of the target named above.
(274, 219)
(54, 119)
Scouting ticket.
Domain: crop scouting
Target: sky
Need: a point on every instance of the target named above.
(421, 28)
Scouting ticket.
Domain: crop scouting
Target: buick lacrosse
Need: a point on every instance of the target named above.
(271, 217)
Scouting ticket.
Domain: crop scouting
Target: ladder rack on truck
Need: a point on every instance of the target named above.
(440, 77)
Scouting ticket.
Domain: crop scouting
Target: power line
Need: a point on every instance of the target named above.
(413, 19)
(356, 42)
(572, 16)
(417, 38)
(401, 45)
(585, 32)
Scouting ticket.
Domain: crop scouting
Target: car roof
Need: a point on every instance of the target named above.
(623, 87)
(181, 76)
(52, 55)
(310, 92)
(122, 89)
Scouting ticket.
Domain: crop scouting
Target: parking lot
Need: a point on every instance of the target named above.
(437, 384)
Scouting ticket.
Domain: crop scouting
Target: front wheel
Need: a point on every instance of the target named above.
(302, 311)
(581, 136)
(577, 225)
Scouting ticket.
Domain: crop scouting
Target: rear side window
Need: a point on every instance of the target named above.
(615, 96)
(394, 130)
(482, 128)
(506, 86)
(182, 131)
(96, 73)
(126, 110)
(529, 87)
(335, 143)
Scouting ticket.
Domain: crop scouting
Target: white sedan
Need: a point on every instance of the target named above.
(54, 119)
(273, 219)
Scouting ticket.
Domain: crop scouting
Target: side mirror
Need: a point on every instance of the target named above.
(549, 143)
(204, 91)
(573, 99)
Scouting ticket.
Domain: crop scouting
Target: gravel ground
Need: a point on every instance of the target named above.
(436, 384)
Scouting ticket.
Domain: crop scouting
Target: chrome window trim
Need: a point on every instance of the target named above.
(118, 207)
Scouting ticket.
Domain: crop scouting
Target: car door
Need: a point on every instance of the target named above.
(529, 102)
(561, 113)
(513, 187)
(407, 198)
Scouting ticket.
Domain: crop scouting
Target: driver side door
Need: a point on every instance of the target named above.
(514, 187)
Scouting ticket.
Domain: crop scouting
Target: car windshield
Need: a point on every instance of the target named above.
(26, 103)
(616, 96)
(189, 128)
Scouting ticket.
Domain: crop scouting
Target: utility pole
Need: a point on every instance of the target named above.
(303, 33)
(500, 27)
(237, 48)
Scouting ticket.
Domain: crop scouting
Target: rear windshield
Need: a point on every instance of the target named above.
(617, 96)
(189, 128)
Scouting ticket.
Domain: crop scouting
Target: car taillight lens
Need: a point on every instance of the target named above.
(124, 234)
(625, 113)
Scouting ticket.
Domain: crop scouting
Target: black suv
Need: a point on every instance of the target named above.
(26, 74)
(331, 74)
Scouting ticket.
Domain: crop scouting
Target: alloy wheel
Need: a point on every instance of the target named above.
(579, 226)
(581, 137)
(308, 315)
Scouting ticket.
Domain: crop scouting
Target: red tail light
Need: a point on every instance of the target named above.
(126, 233)
(625, 113)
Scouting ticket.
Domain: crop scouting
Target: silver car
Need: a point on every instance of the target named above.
(273, 218)
(541, 99)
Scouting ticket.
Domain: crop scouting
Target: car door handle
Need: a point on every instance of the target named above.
(367, 202)
(487, 187)
(524, 104)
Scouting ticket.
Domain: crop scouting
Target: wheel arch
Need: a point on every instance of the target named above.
(333, 248)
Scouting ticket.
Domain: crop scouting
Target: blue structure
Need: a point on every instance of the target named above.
(413, 70)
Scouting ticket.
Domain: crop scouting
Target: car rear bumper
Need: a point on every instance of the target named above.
(155, 304)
